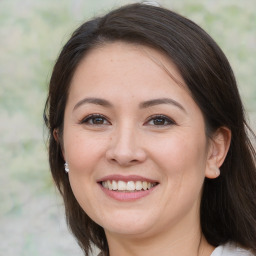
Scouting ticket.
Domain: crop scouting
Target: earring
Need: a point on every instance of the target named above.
(217, 171)
(66, 167)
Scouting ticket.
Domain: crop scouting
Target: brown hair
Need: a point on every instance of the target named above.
(228, 205)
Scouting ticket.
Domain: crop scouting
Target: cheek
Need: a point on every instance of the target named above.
(84, 155)
(83, 151)
(182, 161)
(180, 150)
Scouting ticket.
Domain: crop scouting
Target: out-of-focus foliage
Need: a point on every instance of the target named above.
(31, 35)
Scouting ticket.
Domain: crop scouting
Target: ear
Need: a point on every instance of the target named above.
(59, 141)
(56, 135)
(217, 150)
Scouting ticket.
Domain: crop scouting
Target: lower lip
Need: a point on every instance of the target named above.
(127, 196)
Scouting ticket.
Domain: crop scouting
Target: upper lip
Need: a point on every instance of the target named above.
(126, 178)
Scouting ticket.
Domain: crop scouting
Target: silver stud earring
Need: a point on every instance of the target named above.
(217, 171)
(66, 167)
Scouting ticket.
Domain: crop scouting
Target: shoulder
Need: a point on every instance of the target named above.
(231, 249)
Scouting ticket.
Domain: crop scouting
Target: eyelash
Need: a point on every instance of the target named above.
(167, 121)
(89, 119)
(164, 120)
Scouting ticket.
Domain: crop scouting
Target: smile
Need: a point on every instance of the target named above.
(129, 186)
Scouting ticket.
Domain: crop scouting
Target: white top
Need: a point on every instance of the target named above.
(231, 249)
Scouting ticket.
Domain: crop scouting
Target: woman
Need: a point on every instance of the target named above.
(145, 117)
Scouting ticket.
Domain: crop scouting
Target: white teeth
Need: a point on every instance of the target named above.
(114, 185)
(127, 186)
(144, 185)
(105, 184)
(130, 186)
(121, 185)
(138, 185)
(109, 185)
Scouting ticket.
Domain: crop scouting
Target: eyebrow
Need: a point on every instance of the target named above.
(153, 102)
(96, 101)
(145, 104)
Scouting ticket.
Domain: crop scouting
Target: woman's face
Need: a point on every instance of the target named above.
(135, 142)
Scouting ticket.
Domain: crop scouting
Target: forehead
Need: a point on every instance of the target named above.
(120, 60)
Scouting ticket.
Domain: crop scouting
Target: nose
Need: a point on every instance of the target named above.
(126, 147)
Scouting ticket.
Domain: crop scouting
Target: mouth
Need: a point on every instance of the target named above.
(128, 186)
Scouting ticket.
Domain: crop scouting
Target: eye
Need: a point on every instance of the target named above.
(95, 119)
(159, 120)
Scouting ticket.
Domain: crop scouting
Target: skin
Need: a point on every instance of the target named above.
(130, 140)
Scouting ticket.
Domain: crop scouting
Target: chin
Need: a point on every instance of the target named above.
(128, 224)
(128, 230)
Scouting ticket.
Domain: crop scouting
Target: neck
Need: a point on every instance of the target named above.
(191, 243)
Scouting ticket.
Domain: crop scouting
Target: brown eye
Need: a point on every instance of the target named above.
(160, 120)
(95, 120)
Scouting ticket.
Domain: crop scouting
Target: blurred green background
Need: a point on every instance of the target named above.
(32, 33)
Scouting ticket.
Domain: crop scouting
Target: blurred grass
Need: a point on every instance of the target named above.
(32, 33)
